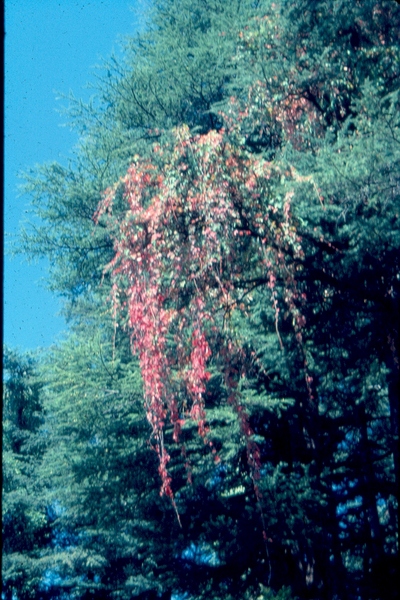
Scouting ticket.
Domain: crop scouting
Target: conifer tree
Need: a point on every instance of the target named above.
(26, 531)
(177, 262)
(252, 259)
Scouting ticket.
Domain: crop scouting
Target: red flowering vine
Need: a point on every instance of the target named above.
(197, 235)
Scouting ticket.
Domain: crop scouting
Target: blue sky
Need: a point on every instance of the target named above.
(50, 46)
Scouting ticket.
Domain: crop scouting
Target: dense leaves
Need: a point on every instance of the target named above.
(180, 254)
(232, 219)
(213, 228)
(25, 520)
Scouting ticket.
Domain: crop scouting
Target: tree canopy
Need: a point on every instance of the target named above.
(228, 245)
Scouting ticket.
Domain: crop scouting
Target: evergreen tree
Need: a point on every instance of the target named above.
(253, 258)
(107, 512)
(25, 519)
(161, 84)
(314, 229)
(113, 536)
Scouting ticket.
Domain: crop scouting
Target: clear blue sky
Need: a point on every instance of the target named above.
(50, 46)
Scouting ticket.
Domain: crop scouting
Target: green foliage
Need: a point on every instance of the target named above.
(25, 521)
(309, 149)
(267, 594)
(173, 73)
(96, 466)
